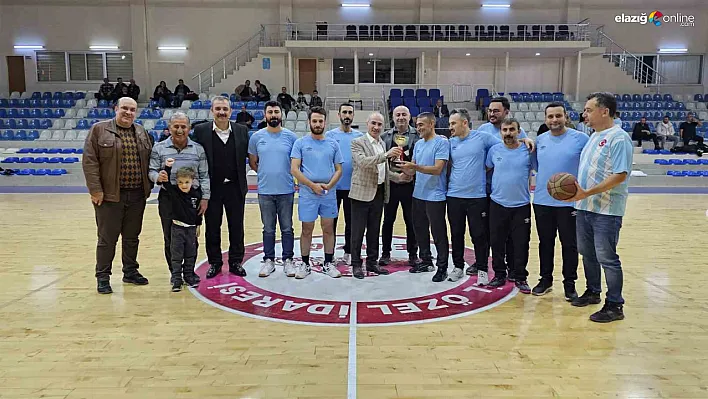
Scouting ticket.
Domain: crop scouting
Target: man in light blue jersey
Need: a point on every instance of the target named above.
(603, 187)
(344, 135)
(430, 157)
(317, 166)
(509, 210)
(467, 195)
(558, 151)
(269, 155)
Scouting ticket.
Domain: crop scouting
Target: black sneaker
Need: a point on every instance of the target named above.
(213, 271)
(542, 288)
(523, 287)
(512, 278)
(104, 287)
(497, 281)
(422, 267)
(177, 286)
(609, 312)
(135, 278)
(440, 275)
(192, 280)
(588, 298)
(358, 272)
(472, 270)
(385, 260)
(413, 260)
(570, 293)
(237, 269)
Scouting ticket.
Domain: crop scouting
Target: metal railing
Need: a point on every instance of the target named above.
(455, 93)
(229, 63)
(628, 62)
(279, 33)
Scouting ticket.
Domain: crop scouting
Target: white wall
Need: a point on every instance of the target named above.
(340, 15)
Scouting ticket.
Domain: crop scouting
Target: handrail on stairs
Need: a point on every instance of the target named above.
(218, 71)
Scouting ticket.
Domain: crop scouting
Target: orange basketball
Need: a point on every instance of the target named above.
(561, 186)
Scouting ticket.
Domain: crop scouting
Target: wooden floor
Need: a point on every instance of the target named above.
(59, 339)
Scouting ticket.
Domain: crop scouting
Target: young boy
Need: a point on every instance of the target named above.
(184, 209)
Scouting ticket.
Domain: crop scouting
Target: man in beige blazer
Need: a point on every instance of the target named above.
(368, 193)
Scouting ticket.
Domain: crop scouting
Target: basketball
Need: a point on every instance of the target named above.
(561, 186)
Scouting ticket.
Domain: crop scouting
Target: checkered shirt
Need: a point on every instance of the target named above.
(130, 171)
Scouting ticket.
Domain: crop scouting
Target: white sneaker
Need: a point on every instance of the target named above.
(347, 258)
(267, 268)
(289, 268)
(331, 270)
(456, 274)
(303, 270)
(482, 278)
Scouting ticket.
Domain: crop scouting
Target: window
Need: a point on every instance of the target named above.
(404, 71)
(94, 68)
(383, 71)
(343, 71)
(681, 69)
(366, 71)
(51, 66)
(377, 71)
(119, 65)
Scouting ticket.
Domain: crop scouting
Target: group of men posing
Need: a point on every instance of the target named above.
(477, 178)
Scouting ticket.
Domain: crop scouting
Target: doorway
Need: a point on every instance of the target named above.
(16, 74)
(307, 69)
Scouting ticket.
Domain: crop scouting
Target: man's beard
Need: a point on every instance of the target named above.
(509, 139)
(345, 121)
(274, 122)
(317, 131)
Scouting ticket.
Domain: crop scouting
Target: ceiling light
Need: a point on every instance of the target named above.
(172, 48)
(103, 47)
(371, 54)
(537, 54)
(468, 54)
(341, 67)
(361, 5)
(673, 50)
(496, 5)
(28, 47)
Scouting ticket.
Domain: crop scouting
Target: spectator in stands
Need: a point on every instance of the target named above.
(244, 117)
(244, 92)
(542, 129)
(122, 93)
(687, 130)
(133, 90)
(440, 110)
(105, 92)
(315, 100)
(641, 131)
(164, 135)
(286, 100)
(262, 93)
(181, 91)
(117, 180)
(262, 124)
(665, 132)
(186, 153)
(301, 101)
(118, 90)
(162, 95)
(617, 120)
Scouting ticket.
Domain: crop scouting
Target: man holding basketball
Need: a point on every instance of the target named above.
(509, 210)
(603, 187)
(557, 152)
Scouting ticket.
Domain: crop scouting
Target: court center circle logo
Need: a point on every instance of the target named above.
(398, 298)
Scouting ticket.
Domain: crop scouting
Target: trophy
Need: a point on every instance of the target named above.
(401, 141)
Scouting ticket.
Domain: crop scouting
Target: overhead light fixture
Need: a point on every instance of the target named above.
(102, 47)
(172, 48)
(468, 54)
(28, 47)
(537, 54)
(371, 54)
(673, 50)
(360, 5)
(341, 67)
(496, 5)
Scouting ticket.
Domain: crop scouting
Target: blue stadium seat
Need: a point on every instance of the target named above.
(239, 104)
(636, 115)
(547, 97)
(146, 114)
(669, 105)
(656, 115)
(138, 121)
(40, 172)
(45, 124)
(58, 103)
(258, 115)
(4, 103)
(395, 93)
(25, 150)
(53, 151)
(206, 104)
(409, 102)
(40, 160)
(156, 114)
(646, 97)
(46, 95)
(154, 135)
(626, 97)
(3, 113)
(55, 160)
(68, 103)
(408, 93)
(624, 115)
(423, 102)
(67, 151)
(680, 106)
(25, 160)
(162, 124)
(39, 150)
(196, 105)
(423, 93)
(667, 97)
(260, 105)
(681, 115)
(537, 97)
(526, 98)
(36, 95)
(24, 172)
(696, 97)
(13, 113)
(661, 161)
(426, 109)
(35, 113)
(636, 97)
(22, 124)
(626, 126)
(153, 104)
(58, 95)
(47, 113)
(103, 104)
(20, 135)
(46, 104)
(656, 97)
(93, 113)
(70, 160)
(434, 93)
(414, 110)
(83, 124)
(516, 97)
(396, 101)
(671, 115)
(24, 113)
(57, 172)
(11, 160)
(251, 105)
(33, 124)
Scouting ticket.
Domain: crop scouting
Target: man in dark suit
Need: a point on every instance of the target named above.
(226, 146)
(440, 110)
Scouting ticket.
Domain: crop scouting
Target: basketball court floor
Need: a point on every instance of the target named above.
(396, 336)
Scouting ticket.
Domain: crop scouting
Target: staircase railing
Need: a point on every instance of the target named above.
(232, 61)
(628, 62)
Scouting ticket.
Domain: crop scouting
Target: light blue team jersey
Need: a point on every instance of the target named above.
(556, 154)
(273, 151)
(607, 152)
(510, 181)
(468, 177)
(496, 131)
(318, 160)
(425, 153)
(344, 140)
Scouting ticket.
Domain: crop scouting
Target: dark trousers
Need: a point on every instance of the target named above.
(184, 251)
(368, 217)
(687, 139)
(343, 198)
(166, 221)
(550, 219)
(462, 212)
(225, 196)
(429, 217)
(509, 248)
(403, 194)
(123, 218)
(514, 222)
(646, 136)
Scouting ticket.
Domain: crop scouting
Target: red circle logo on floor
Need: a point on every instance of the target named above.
(398, 298)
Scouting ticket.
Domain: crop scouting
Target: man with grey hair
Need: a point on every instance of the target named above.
(403, 135)
(185, 153)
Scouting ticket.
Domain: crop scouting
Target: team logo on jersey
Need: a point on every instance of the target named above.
(602, 143)
(398, 298)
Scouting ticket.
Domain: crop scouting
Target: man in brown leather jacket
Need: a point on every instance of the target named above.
(115, 162)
